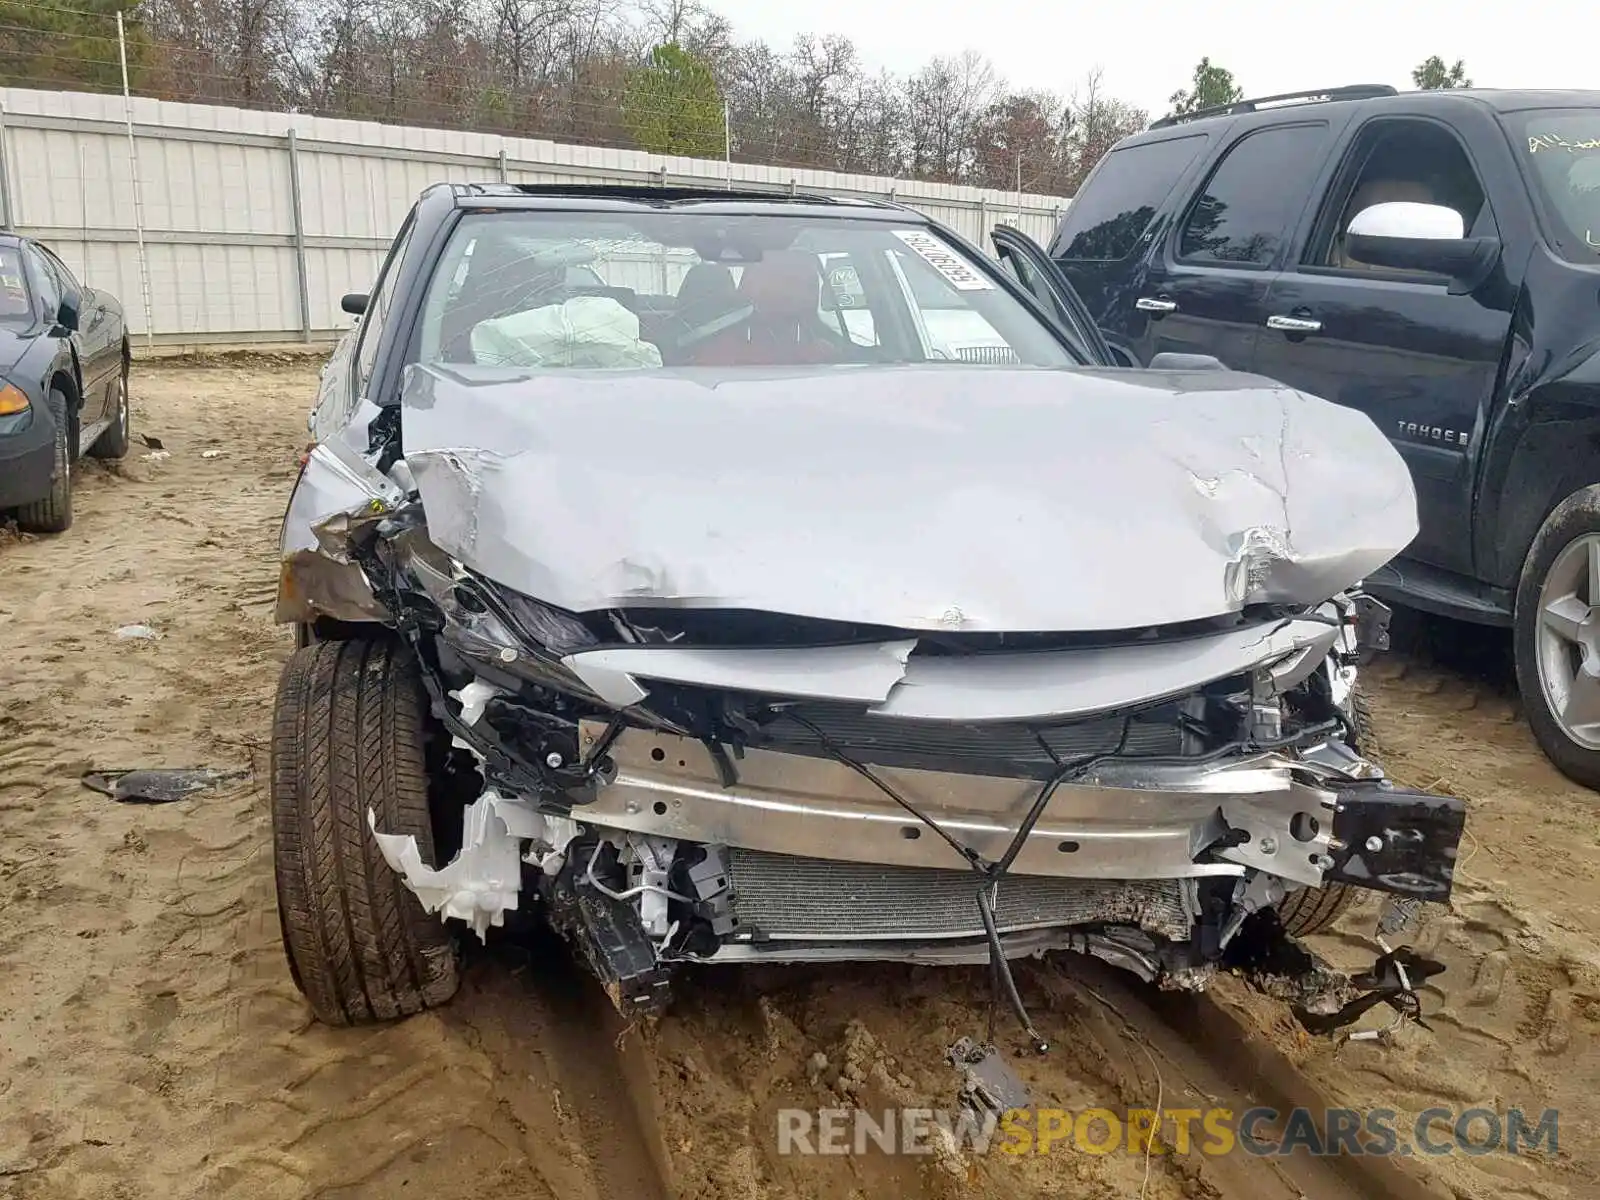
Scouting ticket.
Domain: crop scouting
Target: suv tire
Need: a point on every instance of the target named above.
(1311, 910)
(1556, 634)
(348, 734)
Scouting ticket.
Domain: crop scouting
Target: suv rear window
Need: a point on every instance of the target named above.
(1253, 196)
(1122, 197)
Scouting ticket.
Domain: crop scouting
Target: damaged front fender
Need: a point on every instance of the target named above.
(316, 577)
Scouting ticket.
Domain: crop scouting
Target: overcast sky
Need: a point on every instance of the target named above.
(1148, 50)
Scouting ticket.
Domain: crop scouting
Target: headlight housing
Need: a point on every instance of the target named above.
(12, 400)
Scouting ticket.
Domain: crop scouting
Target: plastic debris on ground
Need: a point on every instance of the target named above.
(158, 785)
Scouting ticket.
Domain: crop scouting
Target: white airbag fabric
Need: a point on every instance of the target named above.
(585, 331)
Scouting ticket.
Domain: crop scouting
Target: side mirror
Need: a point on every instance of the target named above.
(1172, 360)
(67, 314)
(1406, 236)
(355, 303)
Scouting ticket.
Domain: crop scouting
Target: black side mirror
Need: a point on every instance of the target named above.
(1466, 262)
(1422, 237)
(67, 314)
(355, 303)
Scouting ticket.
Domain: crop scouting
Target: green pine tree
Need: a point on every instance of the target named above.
(1432, 75)
(672, 105)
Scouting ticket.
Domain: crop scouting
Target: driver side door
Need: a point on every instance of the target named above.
(1030, 266)
(99, 358)
(1413, 353)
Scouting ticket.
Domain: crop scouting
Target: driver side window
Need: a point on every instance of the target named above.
(377, 314)
(1399, 160)
(49, 283)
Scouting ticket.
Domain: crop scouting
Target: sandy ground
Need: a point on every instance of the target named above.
(151, 1043)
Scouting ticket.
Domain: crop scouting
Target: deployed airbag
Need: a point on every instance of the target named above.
(585, 331)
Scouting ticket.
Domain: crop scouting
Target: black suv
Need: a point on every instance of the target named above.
(1432, 259)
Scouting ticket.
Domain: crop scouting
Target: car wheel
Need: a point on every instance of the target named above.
(113, 442)
(1311, 910)
(348, 734)
(53, 513)
(1556, 636)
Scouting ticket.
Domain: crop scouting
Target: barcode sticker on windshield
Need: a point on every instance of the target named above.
(944, 260)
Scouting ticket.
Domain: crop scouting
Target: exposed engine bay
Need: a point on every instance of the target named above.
(676, 780)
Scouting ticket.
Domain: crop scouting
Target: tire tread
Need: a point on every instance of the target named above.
(52, 513)
(349, 734)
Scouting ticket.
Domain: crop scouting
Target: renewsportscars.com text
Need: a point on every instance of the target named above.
(1211, 1132)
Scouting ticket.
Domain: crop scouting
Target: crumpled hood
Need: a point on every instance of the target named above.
(971, 499)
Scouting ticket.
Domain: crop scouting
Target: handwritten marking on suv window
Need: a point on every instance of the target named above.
(1554, 141)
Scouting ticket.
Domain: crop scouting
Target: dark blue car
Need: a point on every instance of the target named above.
(63, 382)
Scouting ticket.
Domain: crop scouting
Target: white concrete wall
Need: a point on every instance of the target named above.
(218, 201)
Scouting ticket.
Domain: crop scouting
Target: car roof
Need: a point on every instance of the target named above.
(648, 198)
(1375, 98)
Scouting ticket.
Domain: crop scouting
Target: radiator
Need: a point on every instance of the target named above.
(786, 897)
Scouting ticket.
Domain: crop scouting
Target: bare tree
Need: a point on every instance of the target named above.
(560, 69)
(1093, 123)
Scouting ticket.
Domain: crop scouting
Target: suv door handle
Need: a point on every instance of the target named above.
(1294, 324)
(1155, 304)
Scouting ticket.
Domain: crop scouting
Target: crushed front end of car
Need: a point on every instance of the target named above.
(814, 666)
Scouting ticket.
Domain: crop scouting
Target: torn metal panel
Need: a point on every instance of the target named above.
(866, 673)
(335, 481)
(938, 498)
(316, 578)
(312, 585)
(1067, 683)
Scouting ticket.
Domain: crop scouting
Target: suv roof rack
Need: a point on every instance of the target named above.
(649, 192)
(1356, 91)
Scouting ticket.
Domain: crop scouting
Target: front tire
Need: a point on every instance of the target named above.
(53, 513)
(1556, 636)
(349, 732)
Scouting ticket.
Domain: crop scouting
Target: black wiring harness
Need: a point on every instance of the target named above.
(990, 873)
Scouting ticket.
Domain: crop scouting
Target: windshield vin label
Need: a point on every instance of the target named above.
(945, 261)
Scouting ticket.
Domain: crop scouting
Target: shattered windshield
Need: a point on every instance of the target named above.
(15, 307)
(1561, 156)
(645, 290)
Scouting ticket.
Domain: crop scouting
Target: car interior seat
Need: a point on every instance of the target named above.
(783, 291)
(707, 292)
